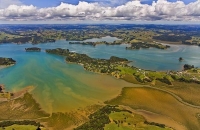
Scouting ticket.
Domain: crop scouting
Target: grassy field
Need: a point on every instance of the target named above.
(5, 95)
(114, 117)
(126, 70)
(189, 92)
(159, 102)
(4, 35)
(129, 121)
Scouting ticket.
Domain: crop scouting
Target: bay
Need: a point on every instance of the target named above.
(60, 86)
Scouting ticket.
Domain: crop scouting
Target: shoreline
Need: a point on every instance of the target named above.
(15, 94)
(21, 92)
(6, 66)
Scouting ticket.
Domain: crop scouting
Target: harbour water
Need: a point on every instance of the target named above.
(60, 86)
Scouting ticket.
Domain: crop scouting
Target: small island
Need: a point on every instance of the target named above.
(139, 45)
(180, 59)
(33, 49)
(6, 61)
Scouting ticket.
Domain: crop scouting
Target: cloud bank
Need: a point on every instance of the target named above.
(133, 10)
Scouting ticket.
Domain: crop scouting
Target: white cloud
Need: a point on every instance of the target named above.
(113, 3)
(6, 3)
(133, 10)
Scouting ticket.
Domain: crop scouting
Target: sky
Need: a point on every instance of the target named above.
(50, 3)
(99, 11)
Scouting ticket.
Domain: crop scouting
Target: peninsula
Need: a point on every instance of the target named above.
(119, 68)
(91, 64)
(139, 45)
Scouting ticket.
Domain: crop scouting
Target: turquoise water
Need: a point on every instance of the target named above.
(61, 86)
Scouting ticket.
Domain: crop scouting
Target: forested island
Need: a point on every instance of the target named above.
(6, 61)
(33, 49)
